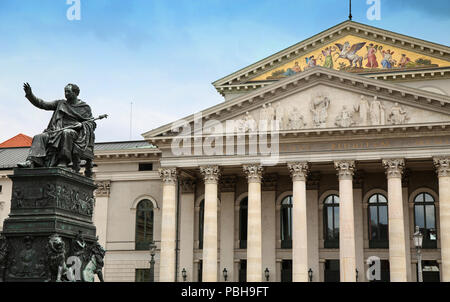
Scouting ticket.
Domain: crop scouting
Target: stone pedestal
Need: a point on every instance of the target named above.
(48, 202)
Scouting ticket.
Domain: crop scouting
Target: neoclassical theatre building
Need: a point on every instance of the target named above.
(358, 157)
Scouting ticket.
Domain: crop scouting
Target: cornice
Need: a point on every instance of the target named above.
(328, 36)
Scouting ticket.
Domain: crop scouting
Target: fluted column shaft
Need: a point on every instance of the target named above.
(347, 245)
(168, 225)
(254, 236)
(443, 170)
(397, 241)
(211, 175)
(299, 172)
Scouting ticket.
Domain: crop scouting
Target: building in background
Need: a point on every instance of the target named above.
(364, 150)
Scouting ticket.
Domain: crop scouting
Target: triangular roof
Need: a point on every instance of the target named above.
(20, 140)
(318, 75)
(298, 51)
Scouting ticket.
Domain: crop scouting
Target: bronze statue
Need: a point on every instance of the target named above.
(69, 137)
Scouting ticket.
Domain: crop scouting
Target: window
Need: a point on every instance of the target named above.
(243, 217)
(425, 218)
(286, 271)
(1, 187)
(286, 223)
(243, 271)
(331, 221)
(332, 271)
(378, 221)
(144, 224)
(146, 167)
(201, 220)
(142, 275)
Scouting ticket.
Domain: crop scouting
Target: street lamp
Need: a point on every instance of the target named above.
(418, 238)
(152, 247)
(225, 274)
(310, 275)
(267, 274)
(184, 274)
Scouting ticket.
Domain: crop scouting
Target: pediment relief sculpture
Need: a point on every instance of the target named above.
(319, 108)
(397, 115)
(345, 118)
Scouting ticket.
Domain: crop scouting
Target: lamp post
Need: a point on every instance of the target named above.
(184, 274)
(267, 274)
(152, 248)
(418, 238)
(310, 275)
(225, 274)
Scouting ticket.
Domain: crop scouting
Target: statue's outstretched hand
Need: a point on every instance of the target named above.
(27, 89)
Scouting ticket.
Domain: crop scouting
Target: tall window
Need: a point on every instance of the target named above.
(243, 217)
(425, 218)
(378, 221)
(331, 221)
(201, 220)
(286, 223)
(144, 224)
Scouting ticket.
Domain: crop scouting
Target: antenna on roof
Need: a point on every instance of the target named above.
(350, 11)
(131, 118)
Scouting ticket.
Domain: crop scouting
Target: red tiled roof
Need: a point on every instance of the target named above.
(20, 140)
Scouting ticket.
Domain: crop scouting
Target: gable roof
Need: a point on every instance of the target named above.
(398, 93)
(20, 140)
(332, 34)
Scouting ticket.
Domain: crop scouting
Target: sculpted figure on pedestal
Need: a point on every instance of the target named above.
(319, 108)
(363, 109)
(69, 136)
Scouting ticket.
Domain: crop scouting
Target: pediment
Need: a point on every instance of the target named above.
(389, 46)
(325, 99)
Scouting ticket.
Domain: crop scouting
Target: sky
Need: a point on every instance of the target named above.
(163, 55)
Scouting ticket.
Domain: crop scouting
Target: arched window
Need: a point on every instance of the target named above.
(201, 220)
(331, 221)
(425, 218)
(243, 218)
(378, 221)
(286, 223)
(144, 224)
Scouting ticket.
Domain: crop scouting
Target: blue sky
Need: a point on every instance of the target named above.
(162, 55)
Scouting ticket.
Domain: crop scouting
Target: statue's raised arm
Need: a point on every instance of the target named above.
(41, 104)
(69, 136)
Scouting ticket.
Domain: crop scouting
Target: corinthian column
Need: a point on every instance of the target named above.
(254, 237)
(397, 240)
(211, 175)
(347, 250)
(443, 169)
(168, 225)
(299, 172)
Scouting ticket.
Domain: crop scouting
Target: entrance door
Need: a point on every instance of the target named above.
(332, 271)
(243, 271)
(286, 271)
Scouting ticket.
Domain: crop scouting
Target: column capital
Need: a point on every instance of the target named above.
(188, 185)
(103, 188)
(253, 172)
(211, 174)
(168, 175)
(228, 183)
(394, 167)
(442, 165)
(299, 170)
(345, 168)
